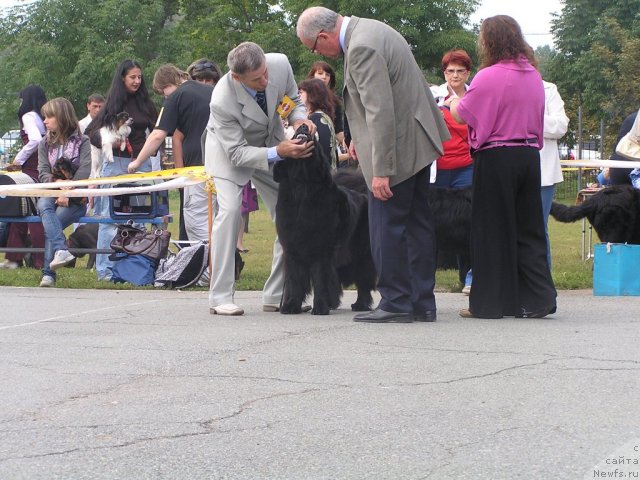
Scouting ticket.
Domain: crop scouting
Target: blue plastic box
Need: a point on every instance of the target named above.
(616, 269)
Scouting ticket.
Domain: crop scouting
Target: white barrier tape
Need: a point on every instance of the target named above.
(49, 191)
(189, 172)
(600, 163)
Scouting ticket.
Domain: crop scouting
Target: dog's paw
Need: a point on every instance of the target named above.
(358, 307)
(290, 309)
(320, 311)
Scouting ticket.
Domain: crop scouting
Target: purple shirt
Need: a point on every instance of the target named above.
(504, 102)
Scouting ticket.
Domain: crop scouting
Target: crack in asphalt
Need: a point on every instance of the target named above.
(209, 426)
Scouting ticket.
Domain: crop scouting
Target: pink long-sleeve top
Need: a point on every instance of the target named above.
(504, 102)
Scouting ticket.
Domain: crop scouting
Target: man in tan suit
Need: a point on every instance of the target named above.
(397, 133)
(244, 138)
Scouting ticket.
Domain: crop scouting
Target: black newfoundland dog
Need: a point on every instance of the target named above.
(614, 213)
(324, 231)
(451, 211)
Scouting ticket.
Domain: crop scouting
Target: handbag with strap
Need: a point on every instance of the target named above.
(139, 241)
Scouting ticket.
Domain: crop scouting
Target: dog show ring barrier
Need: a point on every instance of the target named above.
(587, 238)
(168, 179)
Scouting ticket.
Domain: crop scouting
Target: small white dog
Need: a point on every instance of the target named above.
(118, 131)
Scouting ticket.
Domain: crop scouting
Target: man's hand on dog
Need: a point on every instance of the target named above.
(295, 149)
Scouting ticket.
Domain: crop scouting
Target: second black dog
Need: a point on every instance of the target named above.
(85, 236)
(614, 213)
(323, 229)
(451, 211)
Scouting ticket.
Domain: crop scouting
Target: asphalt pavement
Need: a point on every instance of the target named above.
(148, 385)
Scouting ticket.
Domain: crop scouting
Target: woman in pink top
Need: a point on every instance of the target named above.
(504, 109)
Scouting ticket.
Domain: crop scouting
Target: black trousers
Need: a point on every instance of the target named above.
(403, 247)
(508, 243)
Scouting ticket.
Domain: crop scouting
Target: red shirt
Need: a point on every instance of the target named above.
(456, 150)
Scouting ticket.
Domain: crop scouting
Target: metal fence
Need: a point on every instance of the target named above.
(575, 179)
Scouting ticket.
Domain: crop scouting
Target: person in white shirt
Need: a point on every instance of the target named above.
(556, 124)
(94, 104)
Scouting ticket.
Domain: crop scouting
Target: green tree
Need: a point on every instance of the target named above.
(596, 64)
(71, 47)
(431, 27)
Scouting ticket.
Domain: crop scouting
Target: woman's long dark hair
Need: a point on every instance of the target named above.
(318, 96)
(320, 65)
(117, 97)
(501, 39)
(33, 98)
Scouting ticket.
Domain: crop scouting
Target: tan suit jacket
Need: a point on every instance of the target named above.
(396, 125)
(238, 132)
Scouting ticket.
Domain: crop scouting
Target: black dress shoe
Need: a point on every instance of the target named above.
(536, 314)
(380, 316)
(428, 316)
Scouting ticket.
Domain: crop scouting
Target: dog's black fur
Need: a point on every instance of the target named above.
(63, 169)
(85, 236)
(451, 211)
(614, 213)
(324, 232)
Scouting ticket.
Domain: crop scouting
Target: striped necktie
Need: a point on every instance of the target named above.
(261, 99)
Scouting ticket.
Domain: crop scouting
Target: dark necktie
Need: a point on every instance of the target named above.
(261, 99)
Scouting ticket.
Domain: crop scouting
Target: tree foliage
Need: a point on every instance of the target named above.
(71, 47)
(596, 64)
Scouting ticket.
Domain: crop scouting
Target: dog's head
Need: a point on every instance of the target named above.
(303, 133)
(123, 118)
(122, 123)
(63, 169)
(313, 169)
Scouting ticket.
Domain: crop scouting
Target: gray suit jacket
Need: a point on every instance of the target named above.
(396, 125)
(239, 133)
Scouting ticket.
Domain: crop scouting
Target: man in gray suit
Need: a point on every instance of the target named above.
(397, 133)
(244, 137)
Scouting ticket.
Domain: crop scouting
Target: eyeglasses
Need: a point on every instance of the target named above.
(456, 71)
(315, 44)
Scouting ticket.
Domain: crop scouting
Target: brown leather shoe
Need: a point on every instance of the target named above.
(466, 313)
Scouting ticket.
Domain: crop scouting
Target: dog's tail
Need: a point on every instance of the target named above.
(568, 214)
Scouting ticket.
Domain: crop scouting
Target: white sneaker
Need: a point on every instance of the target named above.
(9, 265)
(226, 309)
(48, 281)
(467, 290)
(61, 258)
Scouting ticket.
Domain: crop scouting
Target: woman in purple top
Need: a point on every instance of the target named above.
(504, 109)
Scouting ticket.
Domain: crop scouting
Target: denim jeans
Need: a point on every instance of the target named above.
(107, 231)
(546, 193)
(54, 221)
(456, 178)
